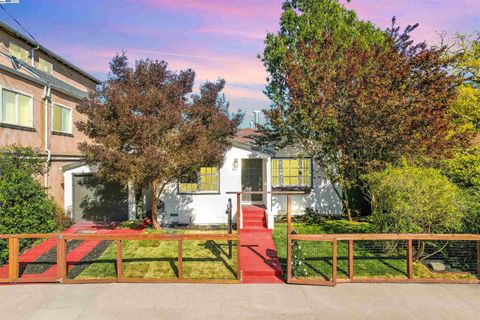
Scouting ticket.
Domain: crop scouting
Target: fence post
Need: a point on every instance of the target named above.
(350, 259)
(289, 259)
(13, 259)
(289, 214)
(180, 260)
(289, 241)
(410, 259)
(478, 257)
(119, 260)
(61, 259)
(334, 261)
(239, 209)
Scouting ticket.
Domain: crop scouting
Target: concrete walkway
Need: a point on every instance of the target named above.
(255, 301)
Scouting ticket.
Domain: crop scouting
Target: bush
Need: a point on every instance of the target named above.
(24, 205)
(409, 199)
(464, 169)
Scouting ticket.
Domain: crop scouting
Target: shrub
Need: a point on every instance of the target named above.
(313, 216)
(409, 199)
(24, 205)
(464, 169)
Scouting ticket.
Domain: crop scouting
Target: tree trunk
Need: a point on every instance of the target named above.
(346, 204)
(155, 223)
(420, 251)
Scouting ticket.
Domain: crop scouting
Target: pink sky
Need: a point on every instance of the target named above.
(216, 38)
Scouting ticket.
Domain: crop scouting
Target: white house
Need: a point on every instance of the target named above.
(204, 198)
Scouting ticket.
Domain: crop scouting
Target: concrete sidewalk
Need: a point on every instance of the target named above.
(195, 301)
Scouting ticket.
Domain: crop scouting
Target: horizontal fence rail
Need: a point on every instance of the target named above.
(329, 259)
(100, 258)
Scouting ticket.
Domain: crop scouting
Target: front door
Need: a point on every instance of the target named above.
(252, 179)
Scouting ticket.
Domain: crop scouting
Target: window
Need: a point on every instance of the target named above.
(45, 66)
(19, 52)
(291, 172)
(61, 119)
(16, 108)
(205, 181)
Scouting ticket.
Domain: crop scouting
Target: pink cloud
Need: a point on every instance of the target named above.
(238, 33)
(433, 16)
(246, 8)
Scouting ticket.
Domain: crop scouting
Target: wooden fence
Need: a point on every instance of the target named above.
(57, 269)
(321, 252)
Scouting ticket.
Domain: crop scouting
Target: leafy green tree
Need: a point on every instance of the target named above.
(353, 97)
(146, 127)
(24, 204)
(466, 64)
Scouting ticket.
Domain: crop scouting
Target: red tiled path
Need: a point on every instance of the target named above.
(75, 255)
(258, 257)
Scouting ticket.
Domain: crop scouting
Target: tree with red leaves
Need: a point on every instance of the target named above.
(147, 128)
(352, 100)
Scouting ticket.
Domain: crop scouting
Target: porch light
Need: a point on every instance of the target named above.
(235, 164)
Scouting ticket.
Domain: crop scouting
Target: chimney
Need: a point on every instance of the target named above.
(256, 114)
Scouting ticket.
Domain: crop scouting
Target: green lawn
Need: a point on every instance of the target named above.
(371, 259)
(155, 259)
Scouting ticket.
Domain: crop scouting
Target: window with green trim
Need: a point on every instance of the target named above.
(206, 180)
(291, 172)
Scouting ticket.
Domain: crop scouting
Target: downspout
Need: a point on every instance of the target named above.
(32, 53)
(47, 98)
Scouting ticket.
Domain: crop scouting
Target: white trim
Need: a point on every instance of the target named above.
(16, 105)
(53, 104)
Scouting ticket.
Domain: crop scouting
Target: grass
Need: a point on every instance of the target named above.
(155, 259)
(372, 259)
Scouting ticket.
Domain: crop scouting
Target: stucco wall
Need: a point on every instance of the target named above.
(208, 208)
(60, 71)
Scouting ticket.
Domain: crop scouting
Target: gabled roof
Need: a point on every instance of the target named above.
(33, 43)
(244, 139)
(245, 135)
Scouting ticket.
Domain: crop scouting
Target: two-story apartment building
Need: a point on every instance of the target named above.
(38, 94)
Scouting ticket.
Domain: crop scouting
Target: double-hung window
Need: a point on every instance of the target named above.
(205, 181)
(16, 108)
(61, 119)
(19, 52)
(291, 172)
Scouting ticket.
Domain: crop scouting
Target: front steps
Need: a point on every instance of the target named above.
(258, 257)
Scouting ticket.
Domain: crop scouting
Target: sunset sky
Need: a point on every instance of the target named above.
(217, 38)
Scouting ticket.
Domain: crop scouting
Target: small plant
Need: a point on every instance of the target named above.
(313, 216)
(299, 268)
(63, 219)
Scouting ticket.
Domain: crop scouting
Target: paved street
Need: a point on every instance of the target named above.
(195, 301)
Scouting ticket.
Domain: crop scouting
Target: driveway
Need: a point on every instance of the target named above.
(255, 301)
